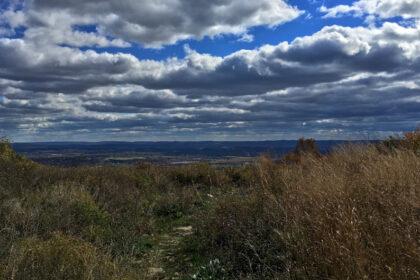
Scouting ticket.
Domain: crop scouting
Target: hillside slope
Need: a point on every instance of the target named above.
(354, 214)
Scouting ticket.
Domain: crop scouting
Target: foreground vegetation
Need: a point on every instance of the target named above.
(354, 214)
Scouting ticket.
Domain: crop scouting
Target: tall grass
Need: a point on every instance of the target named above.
(354, 214)
(60, 257)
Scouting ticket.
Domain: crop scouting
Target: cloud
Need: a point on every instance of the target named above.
(338, 81)
(246, 38)
(148, 23)
(331, 54)
(382, 8)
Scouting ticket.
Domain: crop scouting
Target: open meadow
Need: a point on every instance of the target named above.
(352, 214)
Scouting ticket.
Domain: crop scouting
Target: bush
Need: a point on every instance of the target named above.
(197, 174)
(211, 271)
(7, 153)
(60, 257)
(66, 207)
(410, 141)
(306, 146)
(239, 231)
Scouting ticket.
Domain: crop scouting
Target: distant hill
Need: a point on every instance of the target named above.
(207, 148)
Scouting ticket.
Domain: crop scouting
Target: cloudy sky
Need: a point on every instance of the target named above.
(140, 70)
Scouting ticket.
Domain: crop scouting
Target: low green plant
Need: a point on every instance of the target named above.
(211, 271)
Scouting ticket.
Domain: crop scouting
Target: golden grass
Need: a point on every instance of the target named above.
(354, 214)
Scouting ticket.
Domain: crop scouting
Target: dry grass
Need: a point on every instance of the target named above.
(354, 214)
(58, 258)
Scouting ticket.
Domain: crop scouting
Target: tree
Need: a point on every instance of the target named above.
(303, 147)
(410, 141)
(306, 146)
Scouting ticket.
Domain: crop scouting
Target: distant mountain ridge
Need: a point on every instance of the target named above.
(201, 148)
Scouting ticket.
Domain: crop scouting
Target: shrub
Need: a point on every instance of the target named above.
(211, 271)
(197, 174)
(410, 141)
(241, 177)
(65, 207)
(306, 146)
(7, 153)
(60, 257)
(93, 222)
(239, 231)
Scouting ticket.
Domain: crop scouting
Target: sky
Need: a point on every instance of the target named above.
(175, 70)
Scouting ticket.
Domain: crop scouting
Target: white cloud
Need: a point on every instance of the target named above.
(149, 23)
(333, 53)
(382, 8)
(338, 79)
(246, 38)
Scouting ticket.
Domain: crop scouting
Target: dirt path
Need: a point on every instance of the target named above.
(164, 256)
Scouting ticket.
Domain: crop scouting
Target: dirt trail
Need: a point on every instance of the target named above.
(165, 253)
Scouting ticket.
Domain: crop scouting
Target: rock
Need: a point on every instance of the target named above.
(186, 230)
(155, 271)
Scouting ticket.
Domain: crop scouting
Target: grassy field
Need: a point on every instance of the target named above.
(353, 214)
